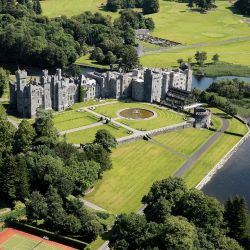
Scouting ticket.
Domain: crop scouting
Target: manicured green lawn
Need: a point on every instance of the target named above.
(236, 52)
(54, 8)
(87, 62)
(91, 103)
(73, 119)
(164, 117)
(88, 135)
(185, 141)
(136, 166)
(177, 22)
(209, 159)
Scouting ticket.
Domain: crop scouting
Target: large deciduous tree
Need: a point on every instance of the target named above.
(104, 138)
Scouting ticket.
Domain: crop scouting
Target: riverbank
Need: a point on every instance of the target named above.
(222, 162)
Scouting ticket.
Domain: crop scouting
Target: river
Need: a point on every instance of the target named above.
(233, 178)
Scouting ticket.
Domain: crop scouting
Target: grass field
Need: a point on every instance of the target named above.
(11, 239)
(54, 8)
(73, 119)
(177, 23)
(180, 140)
(164, 117)
(88, 135)
(235, 52)
(216, 152)
(122, 187)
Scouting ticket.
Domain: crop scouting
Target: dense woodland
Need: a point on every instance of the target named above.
(31, 39)
(179, 218)
(44, 172)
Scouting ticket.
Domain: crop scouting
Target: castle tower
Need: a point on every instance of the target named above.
(21, 79)
(189, 75)
(59, 74)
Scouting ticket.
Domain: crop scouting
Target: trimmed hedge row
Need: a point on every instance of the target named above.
(52, 236)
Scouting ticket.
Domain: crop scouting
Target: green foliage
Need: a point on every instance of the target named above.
(150, 6)
(215, 58)
(105, 139)
(237, 218)
(7, 131)
(4, 80)
(97, 153)
(133, 19)
(44, 127)
(243, 6)
(200, 57)
(36, 207)
(24, 137)
(14, 178)
(189, 220)
(129, 58)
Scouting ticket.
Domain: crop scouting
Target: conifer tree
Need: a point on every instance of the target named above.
(236, 217)
(23, 137)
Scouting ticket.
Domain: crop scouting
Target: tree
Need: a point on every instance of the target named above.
(24, 137)
(56, 213)
(44, 127)
(129, 230)
(113, 5)
(243, 6)
(37, 7)
(7, 131)
(129, 58)
(150, 6)
(237, 217)
(105, 139)
(200, 57)
(4, 80)
(36, 207)
(215, 58)
(71, 224)
(110, 58)
(177, 234)
(97, 153)
(180, 61)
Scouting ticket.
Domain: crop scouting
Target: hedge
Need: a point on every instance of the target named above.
(52, 236)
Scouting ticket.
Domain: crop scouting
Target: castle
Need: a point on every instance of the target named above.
(59, 93)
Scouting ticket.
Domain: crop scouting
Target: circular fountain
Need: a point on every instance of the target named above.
(136, 113)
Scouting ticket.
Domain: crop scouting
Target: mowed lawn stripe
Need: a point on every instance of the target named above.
(186, 141)
(73, 119)
(88, 135)
(135, 167)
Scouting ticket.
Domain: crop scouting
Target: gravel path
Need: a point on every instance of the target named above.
(93, 206)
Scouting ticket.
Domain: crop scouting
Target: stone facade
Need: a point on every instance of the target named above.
(58, 92)
(202, 117)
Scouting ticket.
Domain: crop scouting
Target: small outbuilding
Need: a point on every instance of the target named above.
(202, 117)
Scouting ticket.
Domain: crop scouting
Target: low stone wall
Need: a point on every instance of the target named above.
(155, 132)
(222, 162)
